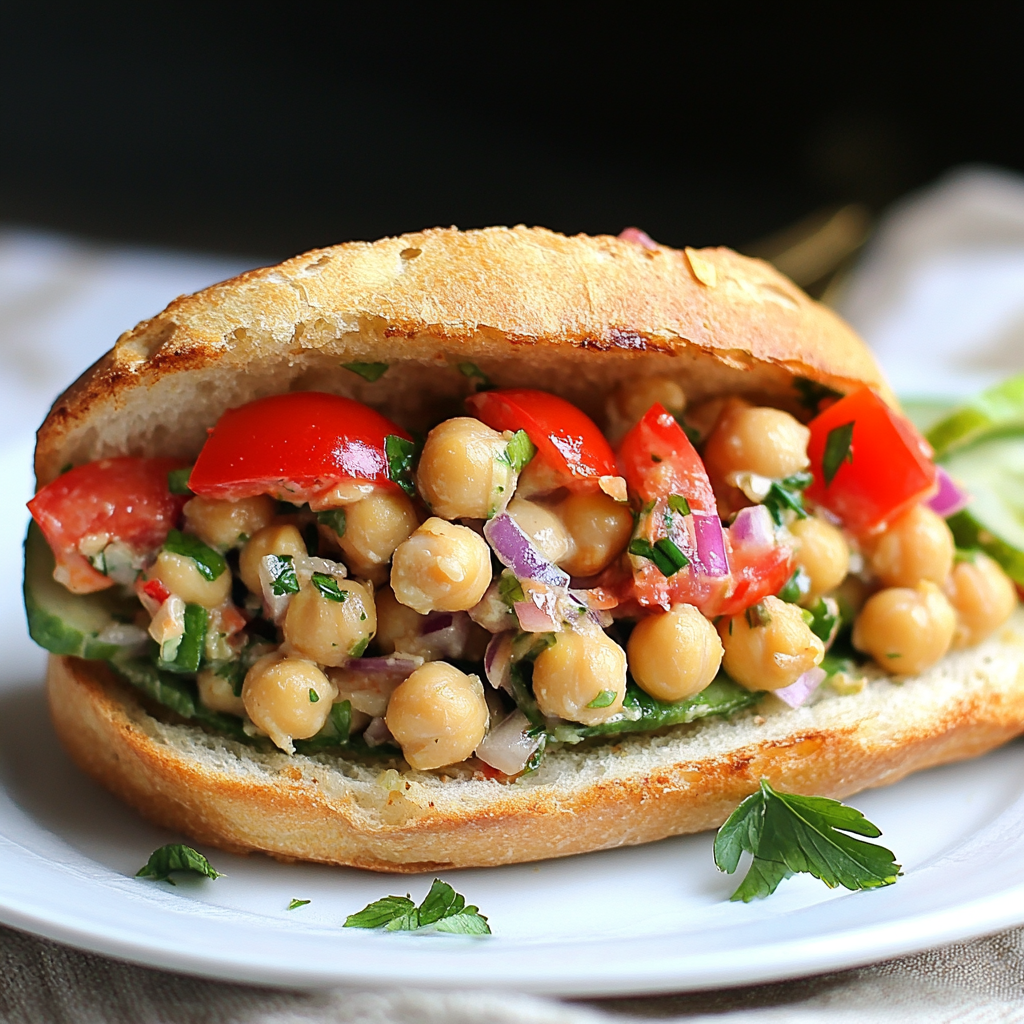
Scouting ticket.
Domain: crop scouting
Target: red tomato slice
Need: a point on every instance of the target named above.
(567, 440)
(755, 576)
(890, 466)
(124, 499)
(657, 459)
(294, 447)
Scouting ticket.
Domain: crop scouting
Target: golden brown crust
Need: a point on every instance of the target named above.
(440, 295)
(293, 808)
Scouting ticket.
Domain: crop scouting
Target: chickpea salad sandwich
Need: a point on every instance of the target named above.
(473, 548)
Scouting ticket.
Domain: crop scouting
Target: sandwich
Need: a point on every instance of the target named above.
(474, 548)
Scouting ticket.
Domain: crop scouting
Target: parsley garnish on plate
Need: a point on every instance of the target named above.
(176, 857)
(442, 910)
(295, 904)
(789, 834)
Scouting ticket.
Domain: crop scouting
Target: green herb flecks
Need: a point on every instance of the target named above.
(480, 379)
(443, 910)
(663, 553)
(796, 588)
(177, 480)
(510, 590)
(283, 579)
(520, 450)
(812, 393)
(789, 834)
(758, 615)
(188, 654)
(368, 371)
(314, 697)
(295, 904)
(176, 857)
(679, 504)
(603, 700)
(210, 563)
(825, 619)
(359, 647)
(838, 449)
(328, 587)
(402, 455)
(334, 519)
(786, 495)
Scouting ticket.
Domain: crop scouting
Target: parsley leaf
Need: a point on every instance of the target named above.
(679, 504)
(402, 456)
(175, 857)
(295, 904)
(442, 910)
(787, 494)
(187, 651)
(663, 553)
(334, 519)
(282, 574)
(812, 393)
(758, 615)
(510, 589)
(825, 619)
(838, 449)
(210, 563)
(328, 587)
(789, 834)
(474, 373)
(603, 700)
(796, 588)
(368, 371)
(177, 480)
(520, 450)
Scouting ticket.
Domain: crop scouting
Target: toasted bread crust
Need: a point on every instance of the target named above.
(442, 295)
(228, 796)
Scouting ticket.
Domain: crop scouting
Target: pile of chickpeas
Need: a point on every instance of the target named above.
(913, 599)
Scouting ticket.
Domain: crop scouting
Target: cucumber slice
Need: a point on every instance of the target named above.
(992, 470)
(999, 408)
(66, 623)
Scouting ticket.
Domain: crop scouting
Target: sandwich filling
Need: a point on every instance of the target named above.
(321, 580)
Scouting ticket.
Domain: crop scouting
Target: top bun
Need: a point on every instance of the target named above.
(532, 308)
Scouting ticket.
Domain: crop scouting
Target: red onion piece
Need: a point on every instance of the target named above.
(639, 237)
(377, 732)
(436, 621)
(536, 617)
(950, 497)
(498, 660)
(800, 692)
(710, 558)
(393, 665)
(753, 528)
(508, 746)
(516, 551)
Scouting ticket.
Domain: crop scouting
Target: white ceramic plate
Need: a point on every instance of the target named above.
(644, 919)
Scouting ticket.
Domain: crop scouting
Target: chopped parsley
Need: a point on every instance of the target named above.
(663, 553)
(328, 587)
(295, 904)
(510, 590)
(176, 857)
(787, 494)
(314, 697)
(210, 563)
(796, 588)
(789, 834)
(474, 373)
(603, 700)
(368, 371)
(679, 504)
(177, 480)
(812, 394)
(520, 450)
(758, 615)
(334, 519)
(402, 455)
(442, 910)
(838, 449)
(359, 647)
(282, 575)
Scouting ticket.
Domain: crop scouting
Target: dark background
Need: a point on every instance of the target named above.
(263, 131)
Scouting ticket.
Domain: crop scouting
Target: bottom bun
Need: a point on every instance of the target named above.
(634, 790)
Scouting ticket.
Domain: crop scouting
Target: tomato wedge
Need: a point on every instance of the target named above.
(568, 441)
(295, 447)
(869, 462)
(124, 499)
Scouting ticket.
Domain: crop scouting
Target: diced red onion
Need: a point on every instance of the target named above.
(639, 237)
(498, 660)
(492, 613)
(436, 621)
(950, 497)
(517, 552)
(753, 528)
(400, 665)
(710, 558)
(377, 732)
(443, 635)
(536, 617)
(508, 746)
(800, 692)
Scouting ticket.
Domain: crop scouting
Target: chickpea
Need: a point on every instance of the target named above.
(463, 472)
(600, 528)
(438, 715)
(983, 597)
(271, 540)
(580, 670)
(397, 624)
(218, 694)
(916, 546)
(906, 630)
(627, 404)
(375, 526)
(288, 698)
(181, 576)
(769, 646)
(328, 631)
(822, 553)
(760, 440)
(674, 654)
(226, 524)
(542, 526)
(441, 567)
